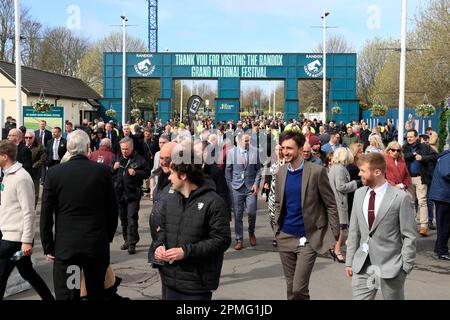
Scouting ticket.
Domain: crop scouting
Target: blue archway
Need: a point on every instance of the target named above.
(229, 69)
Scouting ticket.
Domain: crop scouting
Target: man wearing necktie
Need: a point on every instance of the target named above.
(42, 134)
(381, 246)
(243, 175)
(56, 148)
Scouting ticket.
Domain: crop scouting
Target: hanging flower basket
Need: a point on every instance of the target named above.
(379, 110)
(363, 106)
(425, 110)
(136, 113)
(42, 105)
(336, 110)
(110, 113)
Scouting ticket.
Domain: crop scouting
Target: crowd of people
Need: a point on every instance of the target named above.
(328, 187)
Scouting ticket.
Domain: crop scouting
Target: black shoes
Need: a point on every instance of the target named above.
(336, 256)
(124, 246)
(132, 249)
(444, 257)
(431, 226)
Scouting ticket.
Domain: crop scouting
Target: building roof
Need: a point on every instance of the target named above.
(52, 84)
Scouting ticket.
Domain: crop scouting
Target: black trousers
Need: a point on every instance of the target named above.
(67, 278)
(171, 294)
(25, 268)
(129, 217)
(443, 227)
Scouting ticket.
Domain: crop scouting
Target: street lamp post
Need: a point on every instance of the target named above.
(18, 64)
(324, 56)
(401, 100)
(124, 68)
(181, 102)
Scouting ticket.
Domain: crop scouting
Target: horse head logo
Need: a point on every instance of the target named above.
(314, 69)
(145, 65)
(144, 68)
(314, 66)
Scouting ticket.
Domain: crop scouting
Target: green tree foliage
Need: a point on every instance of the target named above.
(427, 61)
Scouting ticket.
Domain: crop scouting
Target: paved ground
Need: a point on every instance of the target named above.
(255, 272)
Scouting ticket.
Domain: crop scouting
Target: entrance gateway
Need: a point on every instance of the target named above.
(229, 69)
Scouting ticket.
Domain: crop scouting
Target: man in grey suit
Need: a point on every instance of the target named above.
(303, 214)
(381, 247)
(243, 175)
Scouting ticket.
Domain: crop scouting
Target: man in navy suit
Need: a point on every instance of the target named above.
(56, 148)
(243, 175)
(43, 136)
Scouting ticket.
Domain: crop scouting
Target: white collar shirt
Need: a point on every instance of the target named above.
(55, 149)
(379, 194)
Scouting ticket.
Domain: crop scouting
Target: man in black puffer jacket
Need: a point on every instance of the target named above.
(130, 169)
(193, 237)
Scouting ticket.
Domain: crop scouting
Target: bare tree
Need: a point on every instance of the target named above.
(32, 40)
(91, 65)
(61, 51)
(7, 34)
(336, 44)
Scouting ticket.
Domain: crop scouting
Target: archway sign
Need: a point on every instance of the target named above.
(229, 69)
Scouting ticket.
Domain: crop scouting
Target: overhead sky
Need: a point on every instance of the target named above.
(231, 25)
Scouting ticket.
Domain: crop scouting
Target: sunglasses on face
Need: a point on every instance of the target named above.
(396, 150)
(28, 137)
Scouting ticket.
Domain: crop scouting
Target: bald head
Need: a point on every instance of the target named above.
(306, 151)
(166, 155)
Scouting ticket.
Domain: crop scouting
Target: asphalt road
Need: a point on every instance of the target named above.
(255, 273)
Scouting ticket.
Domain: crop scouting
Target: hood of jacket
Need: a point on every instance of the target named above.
(13, 169)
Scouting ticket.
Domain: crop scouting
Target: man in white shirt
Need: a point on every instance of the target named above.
(381, 247)
(56, 148)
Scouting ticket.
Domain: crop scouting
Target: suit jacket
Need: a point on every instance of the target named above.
(47, 137)
(392, 239)
(319, 209)
(61, 150)
(114, 139)
(238, 174)
(80, 194)
(24, 157)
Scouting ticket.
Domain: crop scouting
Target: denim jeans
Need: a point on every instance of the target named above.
(244, 198)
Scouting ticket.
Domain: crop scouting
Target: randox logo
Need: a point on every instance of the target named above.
(314, 69)
(145, 68)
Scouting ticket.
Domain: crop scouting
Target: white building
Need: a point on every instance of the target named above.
(76, 97)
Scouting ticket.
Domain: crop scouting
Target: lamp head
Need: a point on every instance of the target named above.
(123, 18)
(325, 15)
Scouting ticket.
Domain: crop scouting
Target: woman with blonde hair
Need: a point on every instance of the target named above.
(396, 170)
(375, 144)
(342, 185)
